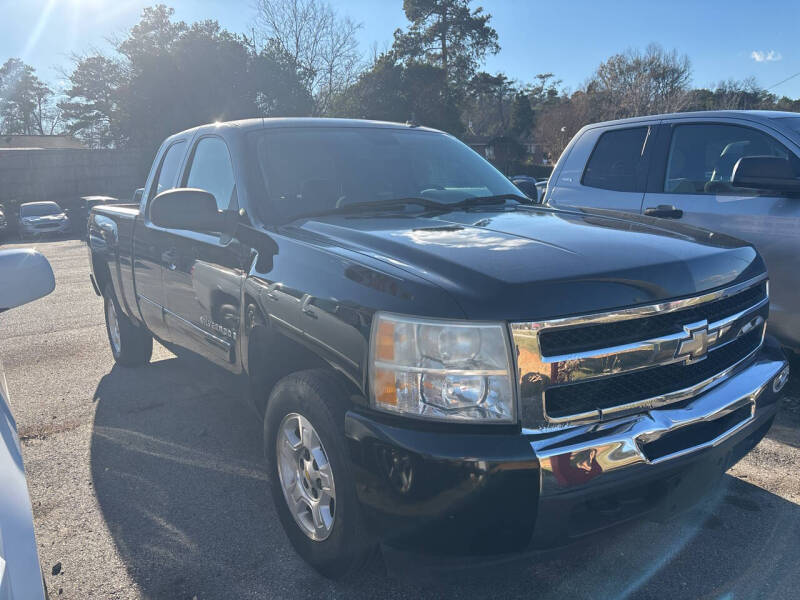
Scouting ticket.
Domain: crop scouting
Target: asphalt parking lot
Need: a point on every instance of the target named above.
(148, 483)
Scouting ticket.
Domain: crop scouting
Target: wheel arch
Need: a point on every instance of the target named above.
(265, 366)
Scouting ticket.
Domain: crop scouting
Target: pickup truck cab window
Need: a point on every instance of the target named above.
(702, 156)
(604, 167)
(211, 170)
(168, 169)
(308, 169)
(617, 161)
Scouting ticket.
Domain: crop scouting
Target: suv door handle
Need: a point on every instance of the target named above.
(666, 211)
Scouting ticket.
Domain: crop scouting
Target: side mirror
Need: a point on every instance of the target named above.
(765, 173)
(528, 187)
(26, 275)
(186, 208)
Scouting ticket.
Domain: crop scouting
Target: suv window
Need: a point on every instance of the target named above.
(168, 170)
(702, 156)
(211, 170)
(617, 160)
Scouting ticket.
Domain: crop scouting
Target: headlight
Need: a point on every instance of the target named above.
(445, 370)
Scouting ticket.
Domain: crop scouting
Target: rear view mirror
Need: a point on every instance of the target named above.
(186, 208)
(26, 276)
(765, 173)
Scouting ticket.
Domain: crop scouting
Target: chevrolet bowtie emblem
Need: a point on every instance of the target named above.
(695, 346)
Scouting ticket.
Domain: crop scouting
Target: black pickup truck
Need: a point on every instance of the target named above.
(443, 367)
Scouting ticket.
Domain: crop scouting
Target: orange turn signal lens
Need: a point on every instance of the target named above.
(385, 387)
(384, 341)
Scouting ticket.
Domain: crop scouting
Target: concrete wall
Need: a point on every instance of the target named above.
(28, 175)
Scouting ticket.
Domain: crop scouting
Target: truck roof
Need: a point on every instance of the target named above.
(275, 122)
(756, 115)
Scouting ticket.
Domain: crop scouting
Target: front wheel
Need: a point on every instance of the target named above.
(310, 477)
(131, 346)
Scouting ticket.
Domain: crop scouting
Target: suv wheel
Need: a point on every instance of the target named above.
(131, 346)
(310, 476)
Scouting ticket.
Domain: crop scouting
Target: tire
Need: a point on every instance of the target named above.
(131, 346)
(318, 397)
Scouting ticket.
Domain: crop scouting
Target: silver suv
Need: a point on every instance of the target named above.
(733, 172)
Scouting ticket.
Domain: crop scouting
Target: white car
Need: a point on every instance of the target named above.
(26, 276)
(37, 219)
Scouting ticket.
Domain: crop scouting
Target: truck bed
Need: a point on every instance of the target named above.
(111, 251)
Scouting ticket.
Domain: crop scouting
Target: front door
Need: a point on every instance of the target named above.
(695, 180)
(203, 270)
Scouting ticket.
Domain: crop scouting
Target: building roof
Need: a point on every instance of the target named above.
(14, 142)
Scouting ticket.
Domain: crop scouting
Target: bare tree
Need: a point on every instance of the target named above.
(639, 83)
(321, 44)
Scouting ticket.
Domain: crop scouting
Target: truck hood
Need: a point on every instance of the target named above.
(526, 263)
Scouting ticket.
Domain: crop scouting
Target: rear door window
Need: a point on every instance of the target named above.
(617, 161)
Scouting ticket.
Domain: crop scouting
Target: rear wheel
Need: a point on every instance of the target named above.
(131, 346)
(310, 476)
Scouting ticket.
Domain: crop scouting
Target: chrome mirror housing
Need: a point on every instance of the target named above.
(25, 276)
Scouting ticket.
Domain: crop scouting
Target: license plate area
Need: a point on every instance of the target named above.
(695, 435)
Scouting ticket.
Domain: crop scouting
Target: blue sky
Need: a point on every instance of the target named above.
(730, 39)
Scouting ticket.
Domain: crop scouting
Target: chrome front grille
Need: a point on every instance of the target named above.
(593, 367)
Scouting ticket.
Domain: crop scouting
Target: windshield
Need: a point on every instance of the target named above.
(39, 210)
(307, 170)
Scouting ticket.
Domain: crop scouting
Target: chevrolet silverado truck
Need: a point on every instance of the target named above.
(443, 367)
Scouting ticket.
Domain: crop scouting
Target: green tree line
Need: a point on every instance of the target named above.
(301, 58)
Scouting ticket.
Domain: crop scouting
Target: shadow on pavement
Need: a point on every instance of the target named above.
(176, 464)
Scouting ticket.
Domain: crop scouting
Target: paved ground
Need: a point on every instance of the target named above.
(148, 483)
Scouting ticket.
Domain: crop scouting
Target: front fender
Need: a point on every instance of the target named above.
(324, 297)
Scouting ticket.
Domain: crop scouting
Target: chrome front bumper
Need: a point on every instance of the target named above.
(607, 448)
(39, 230)
(596, 476)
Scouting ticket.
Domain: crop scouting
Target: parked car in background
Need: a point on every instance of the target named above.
(79, 215)
(528, 186)
(91, 201)
(25, 275)
(440, 364)
(734, 172)
(37, 219)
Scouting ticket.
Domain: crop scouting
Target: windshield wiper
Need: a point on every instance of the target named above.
(495, 199)
(425, 203)
(379, 204)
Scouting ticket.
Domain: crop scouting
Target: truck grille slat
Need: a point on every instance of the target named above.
(590, 337)
(615, 391)
(597, 367)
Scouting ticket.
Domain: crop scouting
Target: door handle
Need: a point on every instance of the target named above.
(666, 211)
(169, 258)
(305, 307)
